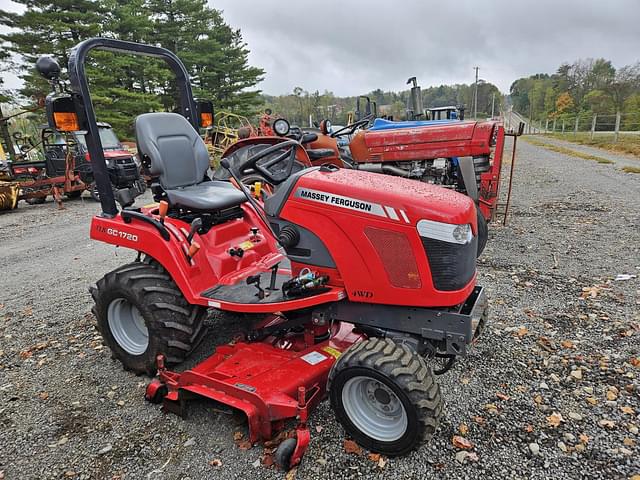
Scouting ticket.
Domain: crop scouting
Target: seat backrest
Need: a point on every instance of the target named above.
(176, 151)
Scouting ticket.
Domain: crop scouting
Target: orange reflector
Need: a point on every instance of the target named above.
(66, 121)
(206, 119)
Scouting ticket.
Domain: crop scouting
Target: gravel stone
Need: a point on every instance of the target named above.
(574, 224)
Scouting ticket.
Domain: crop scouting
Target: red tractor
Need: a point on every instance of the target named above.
(360, 281)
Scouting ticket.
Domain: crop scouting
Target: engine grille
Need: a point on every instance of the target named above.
(452, 265)
(394, 251)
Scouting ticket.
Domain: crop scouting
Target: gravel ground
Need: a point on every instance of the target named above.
(550, 391)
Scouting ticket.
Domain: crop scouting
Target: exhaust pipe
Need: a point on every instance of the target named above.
(382, 168)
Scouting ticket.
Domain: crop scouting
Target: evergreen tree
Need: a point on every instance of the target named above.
(123, 86)
(50, 28)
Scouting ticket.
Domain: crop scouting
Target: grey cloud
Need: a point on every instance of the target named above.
(350, 47)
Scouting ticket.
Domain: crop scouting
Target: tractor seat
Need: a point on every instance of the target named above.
(206, 196)
(180, 159)
(318, 153)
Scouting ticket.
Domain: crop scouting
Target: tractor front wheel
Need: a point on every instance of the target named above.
(141, 313)
(385, 396)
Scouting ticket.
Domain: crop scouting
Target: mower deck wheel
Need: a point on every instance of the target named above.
(141, 314)
(156, 391)
(385, 396)
(284, 452)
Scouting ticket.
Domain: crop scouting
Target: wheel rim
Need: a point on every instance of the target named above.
(374, 409)
(127, 326)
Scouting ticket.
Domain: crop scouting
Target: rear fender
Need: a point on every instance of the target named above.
(211, 265)
(142, 237)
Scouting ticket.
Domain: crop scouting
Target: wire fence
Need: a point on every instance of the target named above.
(609, 126)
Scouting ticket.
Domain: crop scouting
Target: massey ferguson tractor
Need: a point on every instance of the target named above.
(359, 281)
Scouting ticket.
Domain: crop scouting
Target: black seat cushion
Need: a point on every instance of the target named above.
(206, 196)
(318, 153)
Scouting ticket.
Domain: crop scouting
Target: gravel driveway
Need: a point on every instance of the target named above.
(550, 391)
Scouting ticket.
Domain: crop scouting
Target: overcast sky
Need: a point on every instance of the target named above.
(354, 46)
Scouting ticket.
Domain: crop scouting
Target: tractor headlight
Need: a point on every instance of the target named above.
(445, 232)
(281, 127)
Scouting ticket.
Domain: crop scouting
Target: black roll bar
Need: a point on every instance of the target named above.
(80, 89)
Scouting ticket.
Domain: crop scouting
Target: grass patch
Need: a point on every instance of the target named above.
(631, 169)
(627, 143)
(567, 151)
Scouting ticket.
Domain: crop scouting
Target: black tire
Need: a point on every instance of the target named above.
(93, 190)
(483, 233)
(405, 374)
(284, 453)
(74, 194)
(36, 200)
(174, 327)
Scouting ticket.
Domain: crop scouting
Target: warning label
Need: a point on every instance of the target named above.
(333, 352)
(313, 358)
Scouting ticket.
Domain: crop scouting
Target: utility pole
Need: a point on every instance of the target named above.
(493, 102)
(475, 96)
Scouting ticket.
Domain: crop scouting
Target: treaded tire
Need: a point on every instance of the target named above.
(74, 194)
(406, 374)
(93, 190)
(483, 233)
(174, 326)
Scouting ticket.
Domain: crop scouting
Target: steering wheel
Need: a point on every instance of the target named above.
(274, 176)
(349, 129)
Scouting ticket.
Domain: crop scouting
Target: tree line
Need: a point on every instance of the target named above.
(300, 105)
(124, 86)
(585, 88)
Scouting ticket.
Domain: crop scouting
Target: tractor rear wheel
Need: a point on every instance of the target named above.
(74, 194)
(141, 314)
(385, 396)
(36, 200)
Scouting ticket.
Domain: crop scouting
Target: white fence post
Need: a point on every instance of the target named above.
(593, 125)
(617, 130)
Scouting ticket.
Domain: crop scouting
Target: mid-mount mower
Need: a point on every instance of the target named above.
(360, 280)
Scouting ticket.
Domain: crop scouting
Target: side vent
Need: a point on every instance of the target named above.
(396, 255)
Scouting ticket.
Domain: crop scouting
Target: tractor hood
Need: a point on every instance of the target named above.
(450, 131)
(381, 197)
(409, 143)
